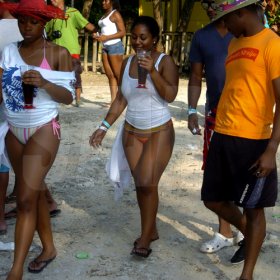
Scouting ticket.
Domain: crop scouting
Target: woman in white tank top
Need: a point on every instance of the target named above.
(112, 30)
(148, 134)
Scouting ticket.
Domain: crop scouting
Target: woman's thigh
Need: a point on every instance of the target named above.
(107, 66)
(32, 161)
(115, 62)
(148, 161)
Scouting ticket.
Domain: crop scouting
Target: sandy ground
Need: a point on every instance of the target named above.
(92, 222)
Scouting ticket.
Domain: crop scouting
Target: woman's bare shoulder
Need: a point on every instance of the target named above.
(61, 57)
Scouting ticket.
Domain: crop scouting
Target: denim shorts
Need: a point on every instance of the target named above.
(114, 49)
(4, 168)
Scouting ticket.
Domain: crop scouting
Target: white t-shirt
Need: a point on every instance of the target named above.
(9, 32)
(145, 108)
(45, 107)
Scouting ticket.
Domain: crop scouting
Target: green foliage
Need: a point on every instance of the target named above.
(274, 18)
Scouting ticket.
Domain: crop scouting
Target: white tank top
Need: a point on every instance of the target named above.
(145, 108)
(108, 28)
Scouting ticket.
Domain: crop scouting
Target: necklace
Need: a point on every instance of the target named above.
(34, 52)
(107, 13)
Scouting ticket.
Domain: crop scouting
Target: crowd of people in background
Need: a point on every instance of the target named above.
(239, 56)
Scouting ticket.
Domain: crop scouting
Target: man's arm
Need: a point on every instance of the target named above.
(194, 91)
(267, 161)
(90, 27)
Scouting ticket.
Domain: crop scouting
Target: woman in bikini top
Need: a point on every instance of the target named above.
(33, 155)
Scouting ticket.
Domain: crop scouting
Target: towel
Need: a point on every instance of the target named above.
(4, 127)
(117, 167)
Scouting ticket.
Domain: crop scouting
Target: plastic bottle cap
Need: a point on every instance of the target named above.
(82, 255)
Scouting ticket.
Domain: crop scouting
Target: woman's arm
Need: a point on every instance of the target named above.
(166, 79)
(114, 112)
(119, 103)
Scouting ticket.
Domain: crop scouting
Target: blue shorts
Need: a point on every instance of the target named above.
(4, 168)
(114, 49)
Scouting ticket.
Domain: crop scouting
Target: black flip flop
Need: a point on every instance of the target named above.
(10, 199)
(12, 214)
(55, 213)
(3, 231)
(45, 264)
(145, 254)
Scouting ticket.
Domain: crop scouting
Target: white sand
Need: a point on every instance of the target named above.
(91, 221)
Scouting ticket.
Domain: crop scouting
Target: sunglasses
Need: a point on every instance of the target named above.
(206, 5)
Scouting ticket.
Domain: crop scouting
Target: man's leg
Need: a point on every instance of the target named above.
(229, 212)
(255, 234)
(224, 228)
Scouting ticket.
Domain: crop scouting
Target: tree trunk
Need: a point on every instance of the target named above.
(158, 18)
(86, 8)
(86, 13)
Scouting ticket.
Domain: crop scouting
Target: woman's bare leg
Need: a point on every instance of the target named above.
(4, 180)
(148, 161)
(112, 66)
(31, 163)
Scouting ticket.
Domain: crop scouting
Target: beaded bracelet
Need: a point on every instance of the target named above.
(106, 124)
(191, 111)
(103, 128)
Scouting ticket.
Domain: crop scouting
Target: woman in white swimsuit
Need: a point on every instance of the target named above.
(148, 136)
(34, 134)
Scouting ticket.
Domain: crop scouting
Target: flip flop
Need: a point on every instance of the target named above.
(137, 252)
(10, 199)
(44, 263)
(55, 213)
(3, 231)
(152, 240)
(12, 214)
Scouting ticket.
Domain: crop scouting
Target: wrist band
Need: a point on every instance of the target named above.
(191, 111)
(106, 124)
(103, 128)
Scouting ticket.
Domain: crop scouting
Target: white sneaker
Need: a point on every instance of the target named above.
(217, 243)
(239, 236)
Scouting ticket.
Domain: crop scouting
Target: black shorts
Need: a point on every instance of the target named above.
(227, 176)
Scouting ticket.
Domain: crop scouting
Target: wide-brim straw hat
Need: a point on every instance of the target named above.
(35, 8)
(224, 7)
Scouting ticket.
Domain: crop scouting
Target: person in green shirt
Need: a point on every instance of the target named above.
(66, 33)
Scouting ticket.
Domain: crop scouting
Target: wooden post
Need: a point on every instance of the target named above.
(86, 53)
(94, 55)
(182, 52)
